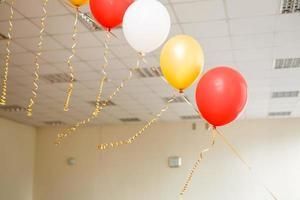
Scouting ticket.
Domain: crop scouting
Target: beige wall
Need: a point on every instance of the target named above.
(140, 171)
(17, 153)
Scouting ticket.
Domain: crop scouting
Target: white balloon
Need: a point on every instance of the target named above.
(146, 25)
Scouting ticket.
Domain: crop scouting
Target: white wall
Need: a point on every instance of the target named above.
(139, 171)
(17, 153)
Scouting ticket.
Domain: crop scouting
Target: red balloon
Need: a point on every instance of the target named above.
(109, 13)
(221, 95)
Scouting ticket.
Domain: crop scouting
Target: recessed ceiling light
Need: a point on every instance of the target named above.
(286, 63)
(285, 94)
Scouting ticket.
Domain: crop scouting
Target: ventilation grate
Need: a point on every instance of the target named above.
(12, 108)
(290, 6)
(134, 119)
(55, 123)
(3, 37)
(148, 72)
(285, 63)
(285, 94)
(178, 99)
(57, 78)
(190, 117)
(109, 103)
(283, 113)
(89, 22)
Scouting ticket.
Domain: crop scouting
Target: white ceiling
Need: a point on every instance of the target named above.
(248, 35)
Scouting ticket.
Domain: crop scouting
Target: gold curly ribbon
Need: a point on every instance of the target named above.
(99, 105)
(133, 138)
(7, 57)
(216, 132)
(69, 61)
(36, 61)
(196, 166)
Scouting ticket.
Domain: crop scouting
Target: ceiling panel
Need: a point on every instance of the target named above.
(246, 35)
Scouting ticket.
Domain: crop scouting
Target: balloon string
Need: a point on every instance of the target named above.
(36, 61)
(99, 106)
(238, 155)
(7, 57)
(106, 53)
(69, 62)
(196, 166)
(133, 138)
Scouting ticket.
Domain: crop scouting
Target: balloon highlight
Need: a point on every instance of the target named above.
(181, 61)
(221, 95)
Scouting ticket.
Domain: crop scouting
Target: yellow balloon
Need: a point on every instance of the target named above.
(181, 61)
(78, 3)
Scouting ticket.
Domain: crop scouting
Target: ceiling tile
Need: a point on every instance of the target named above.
(255, 25)
(5, 12)
(246, 8)
(21, 28)
(253, 41)
(24, 59)
(253, 54)
(286, 38)
(91, 54)
(54, 7)
(199, 11)
(206, 29)
(57, 56)
(215, 44)
(60, 24)
(85, 39)
(14, 47)
(32, 43)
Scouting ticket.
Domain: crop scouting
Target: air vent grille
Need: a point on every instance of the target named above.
(283, 113)
(134, 119)
(88, 21)
(290, 6)
(109, 103)
(285, 94)
(284, 63)
(189, 117)
(12, 108)
(178, 99)
(148, 72)
(55, 123)
(57, 78)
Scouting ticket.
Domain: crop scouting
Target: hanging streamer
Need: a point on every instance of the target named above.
(69, 62)
(196, 166)
(7, 57)
(139, 133)
(36, 61)
(99, 106)
(216, 132)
